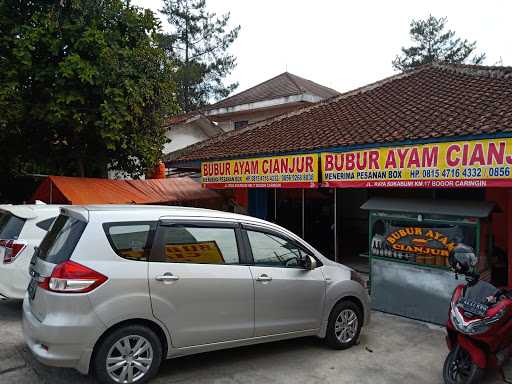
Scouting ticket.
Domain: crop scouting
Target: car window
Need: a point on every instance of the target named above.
(60, 241)
(46, 224)
(199, 245)
(10, 226)
(274, 251)
(129, 240)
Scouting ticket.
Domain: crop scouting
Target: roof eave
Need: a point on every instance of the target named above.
(264, 104)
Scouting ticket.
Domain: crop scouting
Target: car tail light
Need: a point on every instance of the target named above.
(71, 277)
(12, 249)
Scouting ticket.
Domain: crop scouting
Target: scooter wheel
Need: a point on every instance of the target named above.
(459, 369)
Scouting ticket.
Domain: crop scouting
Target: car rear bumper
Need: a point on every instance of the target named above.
(58, 345)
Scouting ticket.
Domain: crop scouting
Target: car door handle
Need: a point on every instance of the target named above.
(263, 278)
(167, 277)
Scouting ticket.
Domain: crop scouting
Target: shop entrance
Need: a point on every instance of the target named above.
(332, 221)
(329, 219)
(309, 213)
(319, 220)
(352, 229)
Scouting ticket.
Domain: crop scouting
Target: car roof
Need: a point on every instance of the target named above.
(29, 211)
(156, 212)
(167, 210)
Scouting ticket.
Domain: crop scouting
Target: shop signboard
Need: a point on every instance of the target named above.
(419, 244)
(460, 164)
(294, 171)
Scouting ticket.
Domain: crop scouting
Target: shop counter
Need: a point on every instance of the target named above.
(409, 245)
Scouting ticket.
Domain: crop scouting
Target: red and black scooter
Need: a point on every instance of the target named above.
(479, 324)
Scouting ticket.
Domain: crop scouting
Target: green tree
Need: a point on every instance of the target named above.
(434, 43)
(83, 86)
(198, 43)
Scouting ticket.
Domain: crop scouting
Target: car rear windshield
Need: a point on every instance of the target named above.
(60, 242)
(10, 226)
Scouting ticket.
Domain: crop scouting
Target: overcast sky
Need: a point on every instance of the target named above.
(347, 44)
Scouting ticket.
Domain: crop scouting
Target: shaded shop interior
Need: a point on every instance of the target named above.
(331, 219)
(448, 130)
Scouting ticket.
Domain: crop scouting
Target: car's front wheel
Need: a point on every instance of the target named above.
(130, 354)
(344, 327)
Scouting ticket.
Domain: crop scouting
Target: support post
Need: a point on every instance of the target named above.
(303, 235)
(275, 205)
(509, 236)
(335, 225)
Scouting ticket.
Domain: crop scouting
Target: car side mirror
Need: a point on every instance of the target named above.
(309, 262)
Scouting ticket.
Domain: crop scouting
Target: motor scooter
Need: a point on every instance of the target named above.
(479, 328)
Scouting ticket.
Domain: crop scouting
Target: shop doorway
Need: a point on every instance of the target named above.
(319, 220)
(309, 213)
(352, 229)
(287, 209)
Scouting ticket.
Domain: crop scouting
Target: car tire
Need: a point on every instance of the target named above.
(124, 359)
(344, 327)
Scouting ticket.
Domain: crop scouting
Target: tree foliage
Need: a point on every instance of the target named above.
(83, 86)
(434, 43)
(198, 43)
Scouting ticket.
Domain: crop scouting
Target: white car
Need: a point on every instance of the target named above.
(22, 227)
(117, 289)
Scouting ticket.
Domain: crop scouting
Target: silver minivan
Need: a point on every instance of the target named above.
(117, 289)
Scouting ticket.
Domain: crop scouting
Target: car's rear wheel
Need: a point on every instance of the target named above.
(344, 327)
(130, 354)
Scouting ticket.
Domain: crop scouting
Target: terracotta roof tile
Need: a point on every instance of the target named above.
(179, 119)
(432, 101)
(283, 85)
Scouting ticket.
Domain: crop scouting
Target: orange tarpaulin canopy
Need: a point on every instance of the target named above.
(76, 190)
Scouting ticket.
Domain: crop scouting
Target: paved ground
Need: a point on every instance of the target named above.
(392, 350)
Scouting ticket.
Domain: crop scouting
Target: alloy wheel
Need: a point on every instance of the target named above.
(346, 326)
(129, 359)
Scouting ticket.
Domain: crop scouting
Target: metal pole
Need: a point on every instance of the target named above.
(335, 226)
(303, 214)
(275, 205)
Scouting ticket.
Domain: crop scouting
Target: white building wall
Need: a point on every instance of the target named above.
(182, 136)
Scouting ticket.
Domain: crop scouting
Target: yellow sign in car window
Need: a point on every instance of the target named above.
(135, 254)
(202, 252)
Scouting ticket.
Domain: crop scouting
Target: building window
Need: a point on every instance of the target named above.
(241, 124)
